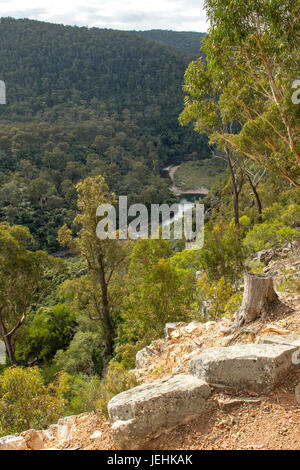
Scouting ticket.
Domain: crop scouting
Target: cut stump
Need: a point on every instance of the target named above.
(259, 297)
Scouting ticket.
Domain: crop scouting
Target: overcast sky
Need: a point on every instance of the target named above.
(179, 15)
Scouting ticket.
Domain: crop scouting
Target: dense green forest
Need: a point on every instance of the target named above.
(93, 114)
(186, 41)
(84, 102)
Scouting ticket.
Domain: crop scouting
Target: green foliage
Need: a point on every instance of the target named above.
(25, 402)
(254, 63)
(289, 281)
(117, 379)
(84, 354)
(223, 254)
(196, 174)
(25, 276)
(233, 304)
(156, 293)
(218, 295)
(270, 234)
(84, 393)
(84, 102)
(255, 266)
(51, 329)
(185, 41)
(105, 258)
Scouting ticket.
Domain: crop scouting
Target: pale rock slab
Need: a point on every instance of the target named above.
(289, 340)
(13, 443)
(258, 367)
(148, 410)
(35, 440)
(297, 394)
(96, 435)
(171, 327)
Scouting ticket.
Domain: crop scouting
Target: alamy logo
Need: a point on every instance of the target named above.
(296, 94)
(2, 353)
(177, 222)
(2, 92)
(296, 357)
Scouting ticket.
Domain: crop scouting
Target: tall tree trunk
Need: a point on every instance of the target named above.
(257, 198)
(8, 344)
(259, 296)
(234, 186)
(107, 324)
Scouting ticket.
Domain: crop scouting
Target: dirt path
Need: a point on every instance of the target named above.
(273, 423)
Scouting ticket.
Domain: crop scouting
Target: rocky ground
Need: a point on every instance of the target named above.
(241, 420)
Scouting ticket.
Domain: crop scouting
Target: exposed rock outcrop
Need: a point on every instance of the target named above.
(257, 367)
(13, 443)
(146, 411)
(288, 340)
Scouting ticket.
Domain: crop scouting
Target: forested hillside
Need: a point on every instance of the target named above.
(83, 102)
(94, 114)
(187, 41)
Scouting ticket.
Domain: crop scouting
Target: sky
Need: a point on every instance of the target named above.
(178, 15)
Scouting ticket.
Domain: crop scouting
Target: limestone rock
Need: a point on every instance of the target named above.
(141, 358)
(13, 443)
(170, 327)
(289, 340)
(257, 367)
(35, 440)
(227, 404)
(297, 393)
(146, 411)
(96, 435)
(65, 427)
(193, 327)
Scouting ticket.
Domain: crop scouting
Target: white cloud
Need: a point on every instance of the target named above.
(179, 15)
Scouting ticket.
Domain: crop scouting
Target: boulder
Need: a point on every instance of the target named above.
(146, 411)
(289, 340)
(170, 327)
(264, 256)
(65, 428)
(142, 358)
(35, 440)
(257, 367)
(13, 443)
(297, 393)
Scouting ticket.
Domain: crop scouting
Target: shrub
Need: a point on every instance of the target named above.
(223, 254)
(255, 266)
(270, 234)
(51, 329)
(157, 292)
(84, 354)
(234, 303)
(216, 293)
(291, 215)
(84, 393)
(116, 380)
(25, 402)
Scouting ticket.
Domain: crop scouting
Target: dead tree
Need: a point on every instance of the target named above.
(259, 297)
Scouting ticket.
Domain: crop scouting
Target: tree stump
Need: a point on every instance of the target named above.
(259, 296)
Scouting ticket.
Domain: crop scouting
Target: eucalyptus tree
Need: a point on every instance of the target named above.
(24, 279)
(105, 258)
(253, 54)
(202, 108)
